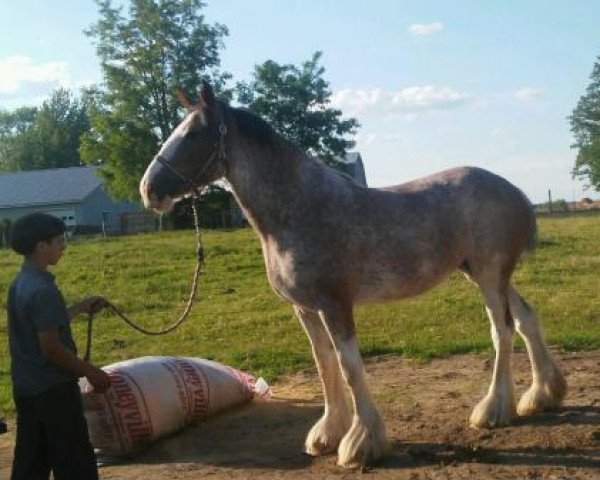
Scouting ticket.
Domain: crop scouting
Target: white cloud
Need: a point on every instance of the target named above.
(21, 77)
(427, 97)
(365, 139)
(528, 94)
(409, 100)
(425, 28)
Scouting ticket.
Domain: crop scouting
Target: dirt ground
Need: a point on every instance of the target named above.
(426, 408)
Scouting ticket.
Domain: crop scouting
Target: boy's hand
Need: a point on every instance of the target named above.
(92, 304)
(99, 379)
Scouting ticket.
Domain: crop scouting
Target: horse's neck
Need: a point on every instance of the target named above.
(270, 183)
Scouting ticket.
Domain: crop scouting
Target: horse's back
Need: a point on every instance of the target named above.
(474, 196)
(466, 180)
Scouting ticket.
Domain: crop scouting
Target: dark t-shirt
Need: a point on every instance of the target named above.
(35, 304)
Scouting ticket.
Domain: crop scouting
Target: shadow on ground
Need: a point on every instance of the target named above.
(270, 436)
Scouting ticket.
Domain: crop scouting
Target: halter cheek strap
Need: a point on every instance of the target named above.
(218, 153)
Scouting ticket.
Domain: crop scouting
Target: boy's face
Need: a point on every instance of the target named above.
(52, 250)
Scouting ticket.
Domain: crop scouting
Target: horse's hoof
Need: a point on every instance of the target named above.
(325, 436)
(493, 411)
(363, 445)
(317, 445)
(543, 397)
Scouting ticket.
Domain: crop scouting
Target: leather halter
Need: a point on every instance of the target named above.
(218, 153)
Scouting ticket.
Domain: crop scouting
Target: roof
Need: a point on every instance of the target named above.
(352, 157)
(43, 187)
(353, 166)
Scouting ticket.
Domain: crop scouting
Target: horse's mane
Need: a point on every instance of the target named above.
(252, 126)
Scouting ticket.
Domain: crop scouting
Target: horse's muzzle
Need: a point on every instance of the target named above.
(158, 188)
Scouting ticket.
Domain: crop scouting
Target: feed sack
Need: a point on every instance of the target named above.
(151, 397)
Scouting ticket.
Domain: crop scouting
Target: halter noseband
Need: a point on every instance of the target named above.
(218, 153)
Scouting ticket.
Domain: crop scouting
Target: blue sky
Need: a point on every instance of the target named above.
(434, 84)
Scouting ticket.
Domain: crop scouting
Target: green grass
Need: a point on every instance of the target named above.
(241, 322)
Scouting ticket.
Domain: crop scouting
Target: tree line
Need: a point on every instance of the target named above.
(159, 47)
(585, 126)
(147, 54)
(33, 138)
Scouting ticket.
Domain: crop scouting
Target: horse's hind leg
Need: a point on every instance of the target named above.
(549, 386)
(498, 406)
(366, 441)
(325, 435)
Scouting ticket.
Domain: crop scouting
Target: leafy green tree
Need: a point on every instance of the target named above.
(48, 137)
(585, 125)
(13, 127)
(215, 201)
(160, 47)
(59, 125)
(295, 101)
(16, 122)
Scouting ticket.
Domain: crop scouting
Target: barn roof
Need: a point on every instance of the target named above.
(352, 165)
(43, 187)
(352, 157)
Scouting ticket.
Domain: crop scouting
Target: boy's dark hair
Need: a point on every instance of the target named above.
(30, 229)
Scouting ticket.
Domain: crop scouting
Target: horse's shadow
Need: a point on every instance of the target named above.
(407, 455)
(424, 454)
(576, 415)
(270, 435)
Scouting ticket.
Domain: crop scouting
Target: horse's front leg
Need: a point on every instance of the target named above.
(366, 441)
(325, 435)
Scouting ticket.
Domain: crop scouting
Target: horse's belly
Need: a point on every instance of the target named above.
(382, 285)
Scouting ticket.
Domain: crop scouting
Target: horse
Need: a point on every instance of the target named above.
(329, 244)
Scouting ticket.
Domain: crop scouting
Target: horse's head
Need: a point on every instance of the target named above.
(192, 157)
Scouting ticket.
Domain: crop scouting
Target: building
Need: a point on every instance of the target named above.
(352, 165)
(75, 194)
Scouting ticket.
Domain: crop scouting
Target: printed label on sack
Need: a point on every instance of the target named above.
(192, 387)
(126, 402)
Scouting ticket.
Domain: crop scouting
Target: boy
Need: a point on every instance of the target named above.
(52, 433)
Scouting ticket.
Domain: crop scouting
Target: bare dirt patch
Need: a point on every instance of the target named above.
(426, 408)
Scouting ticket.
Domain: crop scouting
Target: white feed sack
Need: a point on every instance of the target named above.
(151, 397)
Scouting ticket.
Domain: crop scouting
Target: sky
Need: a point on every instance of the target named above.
(434, 84)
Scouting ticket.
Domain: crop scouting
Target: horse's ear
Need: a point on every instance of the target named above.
(184, 100)
(207, 97)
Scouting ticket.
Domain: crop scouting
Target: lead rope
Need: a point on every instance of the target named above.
(191, 299)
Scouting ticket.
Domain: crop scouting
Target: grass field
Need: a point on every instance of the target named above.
(239, 320)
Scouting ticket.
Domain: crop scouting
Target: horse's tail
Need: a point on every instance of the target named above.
(532, 234)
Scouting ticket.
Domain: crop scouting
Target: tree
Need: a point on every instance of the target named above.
(295, 101)
(13, 127)
(215, 202)
(58, 126)
(585, 125)
(48, 137)
(161, 46)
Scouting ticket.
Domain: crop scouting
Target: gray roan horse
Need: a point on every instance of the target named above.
(329, 243)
